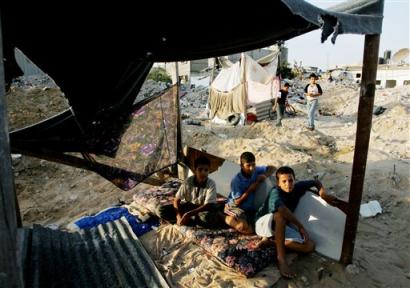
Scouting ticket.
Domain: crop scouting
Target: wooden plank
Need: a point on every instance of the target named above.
(10, 273)
(364, 125)
(180, 154)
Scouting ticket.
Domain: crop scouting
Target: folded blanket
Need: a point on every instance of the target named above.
(112, 214)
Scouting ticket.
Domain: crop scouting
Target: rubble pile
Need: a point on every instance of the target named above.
(195, 97)
(194, 103)
(150, 88)
(34, 81)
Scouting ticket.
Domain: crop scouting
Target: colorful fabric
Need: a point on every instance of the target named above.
(236, 250)
(154, 197)
(145, 145)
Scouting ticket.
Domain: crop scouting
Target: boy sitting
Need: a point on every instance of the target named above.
(239, 207)
(277, 212)
(195, 201)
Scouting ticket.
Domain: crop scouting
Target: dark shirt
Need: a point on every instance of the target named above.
(283, 96)
(278, 198)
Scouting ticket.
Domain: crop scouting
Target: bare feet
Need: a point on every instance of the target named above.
(285, 270)
(265, 242)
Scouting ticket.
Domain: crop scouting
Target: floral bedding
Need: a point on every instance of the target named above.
(236, 250)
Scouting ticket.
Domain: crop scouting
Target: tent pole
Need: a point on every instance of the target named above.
(10, 272)
(212, 72)
(364, 124)
(179, 132)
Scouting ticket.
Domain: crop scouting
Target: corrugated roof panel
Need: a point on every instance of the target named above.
(109, 255)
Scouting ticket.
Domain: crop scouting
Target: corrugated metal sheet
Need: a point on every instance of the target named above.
(263, 109)
(109, 255)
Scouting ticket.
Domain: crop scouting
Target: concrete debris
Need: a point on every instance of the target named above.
(34, 81)
(150, 88)
(16, 159)
(370, 209)
(191, 122)
(378, 110)
(352, 269)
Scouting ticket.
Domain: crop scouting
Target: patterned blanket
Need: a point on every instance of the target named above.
(236, 250)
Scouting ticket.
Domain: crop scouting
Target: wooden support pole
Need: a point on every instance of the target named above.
(10, 272)
(364, 125)
(180, 154)
(212, 77)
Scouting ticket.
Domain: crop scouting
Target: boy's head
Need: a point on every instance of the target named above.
(201, 169)
(312, 78)
(286, 86)
(247, 163)
(285, 179)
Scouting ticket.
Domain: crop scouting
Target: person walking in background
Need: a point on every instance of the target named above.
(312, 92)
(281, 103)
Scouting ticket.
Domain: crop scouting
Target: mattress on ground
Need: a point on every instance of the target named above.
(236, 250)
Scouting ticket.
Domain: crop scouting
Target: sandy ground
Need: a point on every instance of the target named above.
(52, 194)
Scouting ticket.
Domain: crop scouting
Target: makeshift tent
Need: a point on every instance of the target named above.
(243, 84)
(101, 75)
(101, 64)
(100, 97)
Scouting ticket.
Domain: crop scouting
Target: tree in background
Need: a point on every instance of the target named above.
(160, 75)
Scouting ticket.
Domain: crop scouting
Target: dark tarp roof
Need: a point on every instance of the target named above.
(101, 55)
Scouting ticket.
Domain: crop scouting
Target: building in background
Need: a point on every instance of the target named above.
(393, 70)
(197, 68)
(388, 75)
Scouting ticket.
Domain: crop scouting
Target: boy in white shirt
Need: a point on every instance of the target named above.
(312, 92)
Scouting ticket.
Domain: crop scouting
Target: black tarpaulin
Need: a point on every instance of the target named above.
(100, 56)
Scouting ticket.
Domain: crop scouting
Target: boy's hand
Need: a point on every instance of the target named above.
(333, 201)
(184, 219)
(303, 233)
(330, 199)
(179, 217)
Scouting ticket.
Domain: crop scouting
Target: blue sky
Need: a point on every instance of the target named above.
(349, 48)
